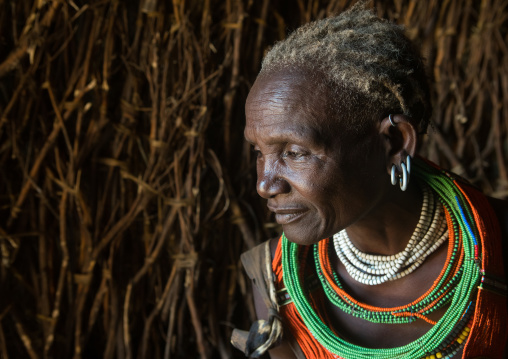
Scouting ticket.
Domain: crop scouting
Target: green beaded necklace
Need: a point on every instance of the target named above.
(465, 283)
(444, 290)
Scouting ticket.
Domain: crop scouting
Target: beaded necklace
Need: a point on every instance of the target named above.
(464, 285)
(436, 297)
(370, 269)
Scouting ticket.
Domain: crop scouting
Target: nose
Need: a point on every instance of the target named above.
(271, 183)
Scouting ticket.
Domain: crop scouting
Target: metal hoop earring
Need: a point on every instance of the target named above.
(390, 118)
(408, 166)
(404, 180)
(393, 176)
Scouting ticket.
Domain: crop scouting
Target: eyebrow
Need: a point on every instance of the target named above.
(296, 134)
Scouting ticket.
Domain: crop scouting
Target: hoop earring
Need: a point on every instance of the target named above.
(393, 175)
(404, 179)
(408, 166)
(390, 118)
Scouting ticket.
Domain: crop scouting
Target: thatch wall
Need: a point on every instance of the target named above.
(126, 190)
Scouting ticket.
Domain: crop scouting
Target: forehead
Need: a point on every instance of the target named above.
(290, 102)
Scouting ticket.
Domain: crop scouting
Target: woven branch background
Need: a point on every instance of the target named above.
(126, 191)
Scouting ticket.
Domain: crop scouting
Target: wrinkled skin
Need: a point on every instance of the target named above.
(318, 178)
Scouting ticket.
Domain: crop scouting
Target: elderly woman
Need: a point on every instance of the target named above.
(383, 254)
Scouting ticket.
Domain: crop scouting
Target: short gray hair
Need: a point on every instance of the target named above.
(364, 59)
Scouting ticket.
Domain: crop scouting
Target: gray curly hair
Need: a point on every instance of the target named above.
(371, 67)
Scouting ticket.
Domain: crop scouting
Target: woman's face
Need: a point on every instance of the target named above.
(317, 178)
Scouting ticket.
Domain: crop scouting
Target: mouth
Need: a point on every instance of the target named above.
(287, 215)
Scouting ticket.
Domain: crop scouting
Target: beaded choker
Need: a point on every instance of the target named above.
(370, 269)
(455, 285)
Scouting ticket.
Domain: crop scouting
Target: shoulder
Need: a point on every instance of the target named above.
(258, 258)
(283, 349)
(257, 262)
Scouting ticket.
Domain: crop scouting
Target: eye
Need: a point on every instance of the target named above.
(294, 153)
(291, 154)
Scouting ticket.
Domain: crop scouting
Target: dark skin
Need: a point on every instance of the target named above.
(319, 178)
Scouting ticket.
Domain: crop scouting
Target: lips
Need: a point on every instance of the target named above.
(287, 215)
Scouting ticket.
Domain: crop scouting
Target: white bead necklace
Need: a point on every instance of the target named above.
(430, 232)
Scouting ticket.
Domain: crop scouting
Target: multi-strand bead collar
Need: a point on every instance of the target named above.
(455, 285)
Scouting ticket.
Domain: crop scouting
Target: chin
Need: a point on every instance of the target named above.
(300, 237)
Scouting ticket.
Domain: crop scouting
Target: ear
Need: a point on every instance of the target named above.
(401, 140)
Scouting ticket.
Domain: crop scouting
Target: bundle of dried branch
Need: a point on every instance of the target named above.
(127, 192)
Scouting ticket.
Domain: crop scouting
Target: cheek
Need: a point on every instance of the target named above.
(335, 192)
(323, 192)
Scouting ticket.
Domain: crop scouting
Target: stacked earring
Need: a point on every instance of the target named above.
(403, 178)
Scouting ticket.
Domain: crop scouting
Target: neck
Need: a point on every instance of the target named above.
(387, 228)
